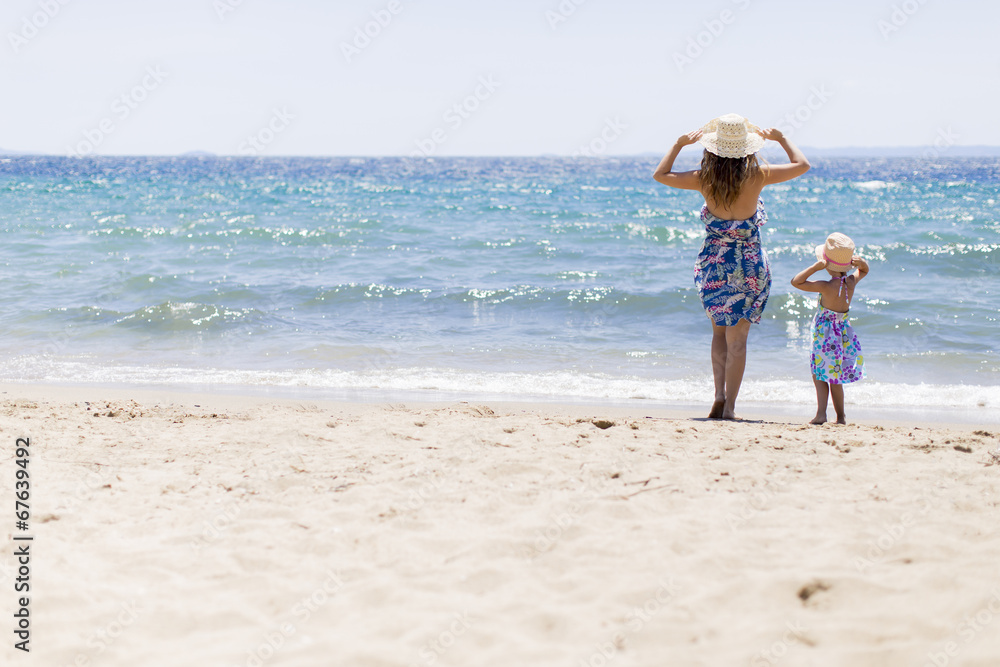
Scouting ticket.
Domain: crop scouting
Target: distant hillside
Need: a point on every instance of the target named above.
(875, 151)
(905, 151)
(771, 152)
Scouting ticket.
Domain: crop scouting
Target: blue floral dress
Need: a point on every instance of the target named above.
(836, 350)
(732, 273)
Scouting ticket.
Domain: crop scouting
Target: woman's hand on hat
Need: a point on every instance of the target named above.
(772, 133)
(689, 138)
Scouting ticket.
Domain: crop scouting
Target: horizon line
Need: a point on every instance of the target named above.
(941, 152)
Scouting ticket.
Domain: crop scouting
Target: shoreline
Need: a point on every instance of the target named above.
(229, 396)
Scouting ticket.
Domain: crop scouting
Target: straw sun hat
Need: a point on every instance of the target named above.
(731, 135)
(837, 252)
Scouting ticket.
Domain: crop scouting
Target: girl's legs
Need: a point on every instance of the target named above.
(822, 394)
(718, 370)
(837, 393)
(736, 362)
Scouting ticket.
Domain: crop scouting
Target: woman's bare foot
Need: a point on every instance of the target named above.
(717, 409)
(732, 417)
(842, 420)
(818, 419)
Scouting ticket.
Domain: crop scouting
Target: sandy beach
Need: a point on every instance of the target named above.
(185, 529)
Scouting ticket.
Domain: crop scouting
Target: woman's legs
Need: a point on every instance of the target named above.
(736, 361)
(822, 394)
(719, 352)
(837, 393)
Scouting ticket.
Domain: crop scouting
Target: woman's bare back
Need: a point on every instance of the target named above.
(745, 205)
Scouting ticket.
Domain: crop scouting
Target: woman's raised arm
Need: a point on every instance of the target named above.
(797, 162)
(685, 180)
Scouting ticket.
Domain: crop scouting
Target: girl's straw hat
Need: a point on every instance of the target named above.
(731, 135)
(837, 252)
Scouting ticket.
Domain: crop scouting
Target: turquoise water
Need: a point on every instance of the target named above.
(514, 277)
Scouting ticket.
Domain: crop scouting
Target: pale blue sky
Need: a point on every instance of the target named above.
(275, 70)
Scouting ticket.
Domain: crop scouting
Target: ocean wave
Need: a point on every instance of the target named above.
(504, 385)
(187, 316)
(637, 295)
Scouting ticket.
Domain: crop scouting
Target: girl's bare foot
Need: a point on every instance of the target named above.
(818, 419)
(717, 409)
(842, 420)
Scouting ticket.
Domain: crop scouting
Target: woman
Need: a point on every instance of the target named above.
(732, 273)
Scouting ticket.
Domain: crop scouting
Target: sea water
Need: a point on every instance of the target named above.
(517, 278)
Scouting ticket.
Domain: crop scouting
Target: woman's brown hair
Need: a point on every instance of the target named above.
(724, 177)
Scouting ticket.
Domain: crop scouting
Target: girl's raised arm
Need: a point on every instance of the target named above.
(862, 268)
(801, 279)
(685, 180)
(797, 162)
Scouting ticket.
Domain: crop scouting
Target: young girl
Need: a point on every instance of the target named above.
(836, 351)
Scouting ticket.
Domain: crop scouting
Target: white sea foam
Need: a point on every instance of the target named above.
(506, 386)
(873, 185)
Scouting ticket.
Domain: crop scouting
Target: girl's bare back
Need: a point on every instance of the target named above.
(836, 293)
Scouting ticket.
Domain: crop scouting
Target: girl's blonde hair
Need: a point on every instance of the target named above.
(724, 177)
